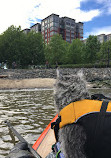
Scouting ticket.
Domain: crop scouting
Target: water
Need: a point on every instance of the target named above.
(29, 111)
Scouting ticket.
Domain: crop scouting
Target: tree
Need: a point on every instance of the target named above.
(92, 48)
(104, 54)
(56, 50)
(22, 48)
(75, 52)
(9, 44)
(35, 48)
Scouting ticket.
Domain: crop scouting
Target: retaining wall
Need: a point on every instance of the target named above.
(91, 74)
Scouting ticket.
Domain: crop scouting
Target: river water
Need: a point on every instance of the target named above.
(29, 111)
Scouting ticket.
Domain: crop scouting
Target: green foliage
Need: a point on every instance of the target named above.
(56, 50)
(75, 52)
(95, 65)
(29, 49)
(24, 49)
(9, 43)
(35, 48)
(92, 48)
(105, 52)
(77, 66)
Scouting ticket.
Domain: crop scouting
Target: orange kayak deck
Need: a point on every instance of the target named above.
(44, 143)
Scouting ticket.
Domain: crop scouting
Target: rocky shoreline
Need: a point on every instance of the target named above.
(33, 78)
(90, 74)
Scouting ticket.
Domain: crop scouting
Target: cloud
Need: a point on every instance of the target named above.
(84, 16)
(98, 31)
(23, 12)
(106, 5)
(15, 12)
(70, 8)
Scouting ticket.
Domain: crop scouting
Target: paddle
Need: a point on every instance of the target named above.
(22, 139)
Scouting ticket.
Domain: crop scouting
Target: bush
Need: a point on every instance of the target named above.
(101, 65)
(76, 66)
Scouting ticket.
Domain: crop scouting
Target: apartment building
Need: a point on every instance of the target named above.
(108, 37)
(67, 29)
(79, 30)
(101, 38)
(26, 31)
(50, 26)
(65, 26)
(36, 27)
(53, 24)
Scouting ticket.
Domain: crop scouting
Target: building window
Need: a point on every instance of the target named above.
(53, 33)
(42, 24)
(68, 36)
(53, 28)
(68, 39)
(54, 24)
(72, 35)
(81, 34)
(48, 25)
(51, 19)
(67, 27)
(81, 31)
(72, 25)
(48, 20)
(81, 27)
(51, 24)
(45, 22)
(42, 28)
(67, 23)
(56, 19)
(67, 31)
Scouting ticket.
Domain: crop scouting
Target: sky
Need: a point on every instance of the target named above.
(95, 14)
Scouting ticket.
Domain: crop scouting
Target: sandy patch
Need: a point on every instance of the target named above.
(27, 83)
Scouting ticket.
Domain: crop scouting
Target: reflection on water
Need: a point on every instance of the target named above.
(29, 111)
(105, 91)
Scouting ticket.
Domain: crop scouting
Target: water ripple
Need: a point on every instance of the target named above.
(29, 111)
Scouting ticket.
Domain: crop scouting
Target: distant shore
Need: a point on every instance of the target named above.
(45, 78)
(27, 83)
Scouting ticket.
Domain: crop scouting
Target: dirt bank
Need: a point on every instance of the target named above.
(27, 83)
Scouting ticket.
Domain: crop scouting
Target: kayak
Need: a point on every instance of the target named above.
(43, 144)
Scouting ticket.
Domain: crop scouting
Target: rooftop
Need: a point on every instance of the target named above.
(50, 16)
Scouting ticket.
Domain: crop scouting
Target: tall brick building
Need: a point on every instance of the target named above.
(65, 26)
